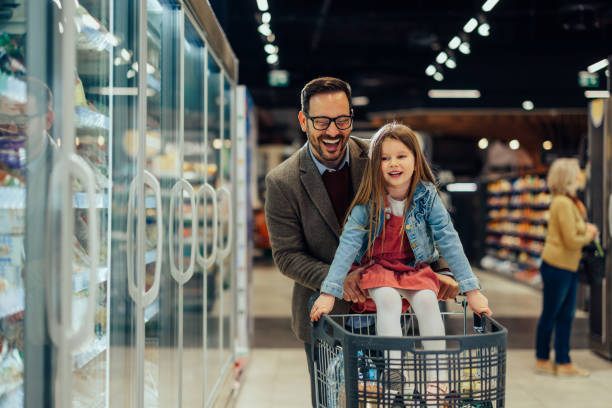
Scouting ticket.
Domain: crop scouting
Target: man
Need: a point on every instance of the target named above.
(307, 197)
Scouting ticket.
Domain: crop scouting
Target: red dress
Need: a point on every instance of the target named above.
(390, 268)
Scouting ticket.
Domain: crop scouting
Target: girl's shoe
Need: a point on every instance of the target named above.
(545, 367)
(570, 370)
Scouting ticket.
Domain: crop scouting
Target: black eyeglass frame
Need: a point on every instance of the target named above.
(312, 118)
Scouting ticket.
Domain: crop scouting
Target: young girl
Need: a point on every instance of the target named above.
(398, 221)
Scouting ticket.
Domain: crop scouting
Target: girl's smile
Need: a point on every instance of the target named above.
(397, 166)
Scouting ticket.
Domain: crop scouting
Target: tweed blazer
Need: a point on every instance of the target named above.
(304, 231)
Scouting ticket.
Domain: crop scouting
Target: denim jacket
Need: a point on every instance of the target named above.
(427, 223)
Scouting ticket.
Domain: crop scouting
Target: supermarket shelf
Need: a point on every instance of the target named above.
(517, 192)
(512, 248)
(89, 351)
(80, 279)
(99, 345)
(518, 264)
(89, 119)
(11, 302)
(513, 278)
(528, 205)
(14, 198)
(151, 310)
(517, 234)
(517, 220)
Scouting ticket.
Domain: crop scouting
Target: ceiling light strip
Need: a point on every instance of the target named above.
(453, 93)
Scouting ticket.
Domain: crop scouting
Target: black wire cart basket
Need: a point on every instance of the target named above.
(353, 367)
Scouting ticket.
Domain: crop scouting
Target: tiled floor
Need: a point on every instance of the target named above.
(277, 375)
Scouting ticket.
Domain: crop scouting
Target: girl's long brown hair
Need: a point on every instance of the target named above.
(372, 188)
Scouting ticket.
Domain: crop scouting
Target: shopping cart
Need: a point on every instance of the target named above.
(352, 365)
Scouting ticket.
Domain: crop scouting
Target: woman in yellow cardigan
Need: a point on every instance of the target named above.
(567, 233)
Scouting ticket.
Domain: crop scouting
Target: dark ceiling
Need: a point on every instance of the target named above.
(534, 51)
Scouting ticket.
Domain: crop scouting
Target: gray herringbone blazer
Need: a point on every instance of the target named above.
(304, 230)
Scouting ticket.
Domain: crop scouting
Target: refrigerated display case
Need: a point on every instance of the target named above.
(599, 204)
(117, 279)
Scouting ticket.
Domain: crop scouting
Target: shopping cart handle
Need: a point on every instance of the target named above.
(480, 323)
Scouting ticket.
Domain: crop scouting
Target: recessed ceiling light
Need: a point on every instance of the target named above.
(528, 105)
(483, 143)
(470, 25)
(547, 145)
(514, 144)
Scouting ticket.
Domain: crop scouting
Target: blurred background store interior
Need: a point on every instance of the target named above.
(496, 90)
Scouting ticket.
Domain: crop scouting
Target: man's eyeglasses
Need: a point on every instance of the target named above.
(322, 122)
(18, 120)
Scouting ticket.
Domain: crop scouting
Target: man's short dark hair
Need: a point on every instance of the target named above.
(324, 85)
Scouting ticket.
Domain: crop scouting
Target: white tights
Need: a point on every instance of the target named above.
(425, 306)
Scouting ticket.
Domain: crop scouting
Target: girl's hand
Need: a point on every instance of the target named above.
(478, 303)
(323, 305)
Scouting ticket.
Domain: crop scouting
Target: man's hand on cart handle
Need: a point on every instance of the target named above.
(449, 288)
(323, 305)
(351, 291)
(478, 303)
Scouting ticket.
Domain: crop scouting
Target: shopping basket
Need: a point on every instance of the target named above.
(352, 364)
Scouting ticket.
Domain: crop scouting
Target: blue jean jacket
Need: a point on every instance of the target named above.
(428, 225)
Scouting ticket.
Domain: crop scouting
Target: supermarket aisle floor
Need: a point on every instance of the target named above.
(277, 375)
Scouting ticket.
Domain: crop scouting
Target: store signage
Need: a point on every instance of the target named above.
(587, 79)
(278, 77)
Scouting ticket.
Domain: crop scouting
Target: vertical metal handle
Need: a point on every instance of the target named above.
(225, 251)
(610, 215)
(206, 261)
(149, 296)
(76, 166)
(177, 272)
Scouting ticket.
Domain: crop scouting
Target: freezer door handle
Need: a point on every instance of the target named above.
(148, 297)
(61, 332)
(610, 215)
(177, 273)
(206, 261)
(225, 251)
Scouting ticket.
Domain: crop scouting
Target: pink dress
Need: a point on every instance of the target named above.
(390, 268)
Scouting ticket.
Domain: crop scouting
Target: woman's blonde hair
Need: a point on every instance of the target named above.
(563, 177)
(372, 188)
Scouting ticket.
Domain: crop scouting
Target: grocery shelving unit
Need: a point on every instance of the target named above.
(515, 228)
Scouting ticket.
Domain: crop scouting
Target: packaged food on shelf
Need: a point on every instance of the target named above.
(11, 369)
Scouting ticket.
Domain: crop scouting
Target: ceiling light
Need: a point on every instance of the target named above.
(547, 145)
(454, 43)
(272, 59)
(271, 38)
(597, 66)
(361, 100)
(441, 57)
(271, 48)
(488, 5)
(596, 94)
(470, 25)
(118, 61)
(451, 63)
(262, 5)
(528, 105)
(454, 93)
(266, 17)
(483, 143)
(430, 70)
(264, 29)
(465, 47)
(483, 29)
(461, 187)
(514, 144)
(438, 76)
